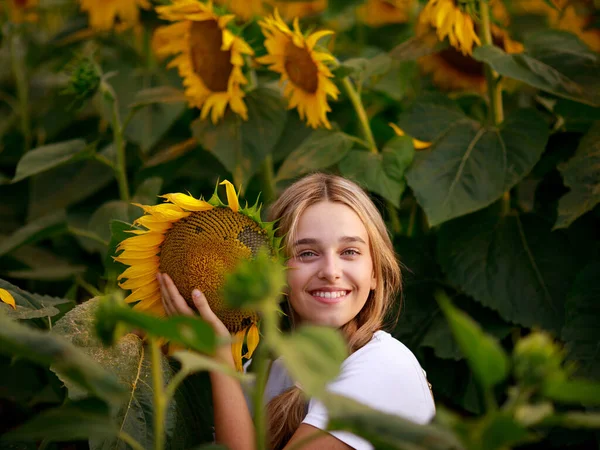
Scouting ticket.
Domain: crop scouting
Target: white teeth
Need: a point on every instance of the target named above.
(336, 294)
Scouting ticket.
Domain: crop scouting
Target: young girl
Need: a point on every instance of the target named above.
(344, 274)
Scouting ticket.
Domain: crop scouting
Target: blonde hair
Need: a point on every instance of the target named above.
(287, 410)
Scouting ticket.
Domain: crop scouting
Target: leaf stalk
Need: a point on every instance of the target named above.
(494, 87)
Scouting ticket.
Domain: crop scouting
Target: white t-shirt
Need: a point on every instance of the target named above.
(383, 374)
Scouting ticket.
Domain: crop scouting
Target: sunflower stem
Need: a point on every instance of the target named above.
(396, 225)
(268, 179)
(260, 417)
(493, 79)
(129, 440)
(158, 394)
(119, 141)
(505, 203)
(361, 113)
(18, 68)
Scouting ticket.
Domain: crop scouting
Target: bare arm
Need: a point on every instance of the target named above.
(233, 423)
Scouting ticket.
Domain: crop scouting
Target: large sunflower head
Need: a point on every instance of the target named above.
(196, 243)
(106, 14)
(209, 56)
(449, 20)
(307, 79)
(376, 13)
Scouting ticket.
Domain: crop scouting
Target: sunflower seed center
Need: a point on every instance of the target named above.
(300, 68)
(209, 62)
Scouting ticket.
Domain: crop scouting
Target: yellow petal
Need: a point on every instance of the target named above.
(419, 145)
(252, 340)
(232, 198)
(236, 349)
(188, 202)
(7, 298)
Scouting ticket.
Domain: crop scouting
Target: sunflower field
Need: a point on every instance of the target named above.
(474, 125)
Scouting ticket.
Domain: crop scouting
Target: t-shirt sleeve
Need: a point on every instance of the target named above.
(386, 377)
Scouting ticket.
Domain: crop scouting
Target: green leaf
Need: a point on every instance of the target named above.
(71, 422)
(128, 360)
(438, 335)
(51, 273)
(147, 193)
(321, 149)
(499, 431)
(241, 146)
(66, 360)
(367, 169)
(386, 431)
(555, 61)
(99, 223)
(163, 106)
(22, 313)
(364, 67)
(582, 309)
(470, 166)
(49, 156)
(193, 362)
(34, 231)
(512, 264)
(582, 176)
(159, 94)
(191, 332)
(65, 185)
(582, 392)
(30, 300)
(313, 356)
(485, 356)
(398, 154)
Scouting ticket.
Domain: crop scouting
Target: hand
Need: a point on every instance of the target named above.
(175, 304)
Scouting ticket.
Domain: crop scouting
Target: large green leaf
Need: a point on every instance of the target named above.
(241, 146)
(65, 185)
(512, 264)
(50, 273)
(99, 223)
(581, 331)
(581, 174)
(469, 165)
(162, 104)
(485, 356)
(386, 431)
(192, 332)
(381, 173)
(34, 231)
(555, 61)
(66, 360)
(321, 149)
(313, 356)
(49, 156)
(127, 360)
(71, 422)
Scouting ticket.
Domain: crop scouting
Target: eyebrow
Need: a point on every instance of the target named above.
(345, 239)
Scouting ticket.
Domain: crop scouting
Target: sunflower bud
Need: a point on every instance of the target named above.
(254, 281)
(536, 358)
(84, 78)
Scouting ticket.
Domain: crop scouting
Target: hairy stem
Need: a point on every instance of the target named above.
(361, 113)
(268, 179)
(493, 79)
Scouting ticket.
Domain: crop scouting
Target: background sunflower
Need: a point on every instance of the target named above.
(306, 78)
(103, 15)
(208, 56)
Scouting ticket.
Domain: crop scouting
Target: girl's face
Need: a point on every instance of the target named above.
(331, 270)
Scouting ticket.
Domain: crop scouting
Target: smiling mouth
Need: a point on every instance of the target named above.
(330, 296)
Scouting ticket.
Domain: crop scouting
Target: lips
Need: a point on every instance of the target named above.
(329, 295)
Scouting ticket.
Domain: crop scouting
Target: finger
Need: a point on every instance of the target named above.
(177, 302)
(207, 313)
(164, 296)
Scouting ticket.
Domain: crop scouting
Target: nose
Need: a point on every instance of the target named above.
(330, 268)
